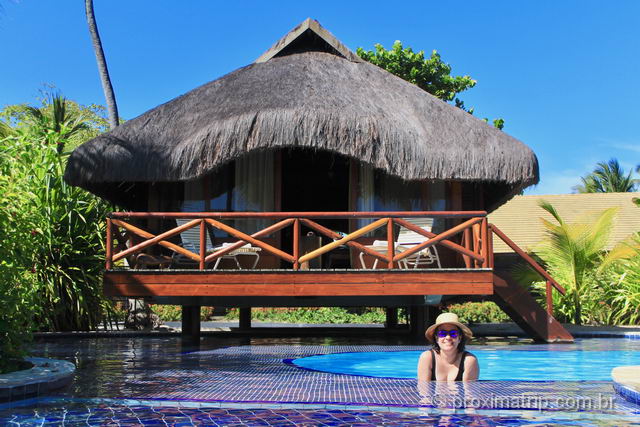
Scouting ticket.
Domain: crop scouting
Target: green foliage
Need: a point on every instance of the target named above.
(431, 74)
(17, 281)
(478, 312)
(51, 118)
(173, 313)
(55, 231)
(572, 254)
(607, 178)
(313, 315)
(596, 298)
(624, 295)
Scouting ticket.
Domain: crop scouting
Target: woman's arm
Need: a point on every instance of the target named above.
(471, 368)
(424, 366)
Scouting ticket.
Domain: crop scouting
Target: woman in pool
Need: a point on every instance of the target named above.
(448, 360)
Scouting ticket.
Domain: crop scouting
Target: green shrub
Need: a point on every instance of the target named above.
(314, 315)
(17, 281)
(623, 293)
(55, 256)
(173, 313)
(479, 312)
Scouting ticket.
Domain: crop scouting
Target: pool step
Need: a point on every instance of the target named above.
(525, 311)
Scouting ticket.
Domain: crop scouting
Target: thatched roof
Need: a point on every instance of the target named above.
(311, 99)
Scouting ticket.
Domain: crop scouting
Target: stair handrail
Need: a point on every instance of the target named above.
(527, 258)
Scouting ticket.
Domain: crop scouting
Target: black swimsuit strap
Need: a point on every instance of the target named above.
(461, 367)
(433, 365)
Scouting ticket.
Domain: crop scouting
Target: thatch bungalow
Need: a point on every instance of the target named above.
(309, 139)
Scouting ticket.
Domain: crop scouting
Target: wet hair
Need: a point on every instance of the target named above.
(461, 344)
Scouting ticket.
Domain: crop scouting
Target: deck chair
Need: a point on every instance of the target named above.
(191, 241)
(406, 239)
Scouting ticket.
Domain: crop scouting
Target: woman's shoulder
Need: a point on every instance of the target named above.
(426, 355)
(469, 358)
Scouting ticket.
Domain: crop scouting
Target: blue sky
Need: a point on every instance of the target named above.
(563, 74)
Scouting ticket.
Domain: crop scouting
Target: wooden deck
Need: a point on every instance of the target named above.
(469, 241)
(141, 283)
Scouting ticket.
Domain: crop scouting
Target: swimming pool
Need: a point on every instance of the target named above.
(247, 382)
(566, 362)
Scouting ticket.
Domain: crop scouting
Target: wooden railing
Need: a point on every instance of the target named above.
(551, 283)
(135, 240)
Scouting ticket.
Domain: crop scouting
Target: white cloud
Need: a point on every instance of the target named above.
(620, 145)
(561, 182)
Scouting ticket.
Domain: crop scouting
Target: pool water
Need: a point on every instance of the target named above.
(100, 412)
(124, 381)
(528, 364)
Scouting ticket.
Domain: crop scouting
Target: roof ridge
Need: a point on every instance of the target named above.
(321, 39)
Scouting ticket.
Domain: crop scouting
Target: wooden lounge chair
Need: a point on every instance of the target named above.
(406, 239)
(191, 241)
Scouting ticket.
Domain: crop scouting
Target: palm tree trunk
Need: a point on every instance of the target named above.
(112, 107)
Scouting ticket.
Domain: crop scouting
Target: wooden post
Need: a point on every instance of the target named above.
(296, 244)
(190, 325)
(418, 320)
(109, 244)
(466, 237)
(490, 253)
(203, 243)
(390, 245)
(549, 299)
(475, 232)
(391, 321)
(483, 243)
(245, 318)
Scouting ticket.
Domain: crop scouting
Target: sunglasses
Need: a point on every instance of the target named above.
(452, 333)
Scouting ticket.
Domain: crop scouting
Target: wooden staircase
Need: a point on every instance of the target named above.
(517, 302)
(525, 311)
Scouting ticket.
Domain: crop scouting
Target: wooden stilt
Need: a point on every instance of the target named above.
(190, 324)
(392, 317)
(417, 320)
(420, 318)
(245, 318)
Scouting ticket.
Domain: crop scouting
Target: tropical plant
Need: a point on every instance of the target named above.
(103, 70)
(54, 125)
(607, 177)
(626, 296)
(432, 74)
(572, 253)
(55, 230)
(17, 280)
(90, 119)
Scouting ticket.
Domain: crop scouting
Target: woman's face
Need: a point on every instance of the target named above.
(448, 336)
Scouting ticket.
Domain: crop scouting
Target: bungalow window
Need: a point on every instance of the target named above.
(245, 185)
(381, 192)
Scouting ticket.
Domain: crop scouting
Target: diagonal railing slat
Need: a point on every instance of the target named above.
(335, 236)
(446, 243)
(438, 238)
(360, 232)
(153, 239)
(265, 232)
(527, 258)
(247, 238)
